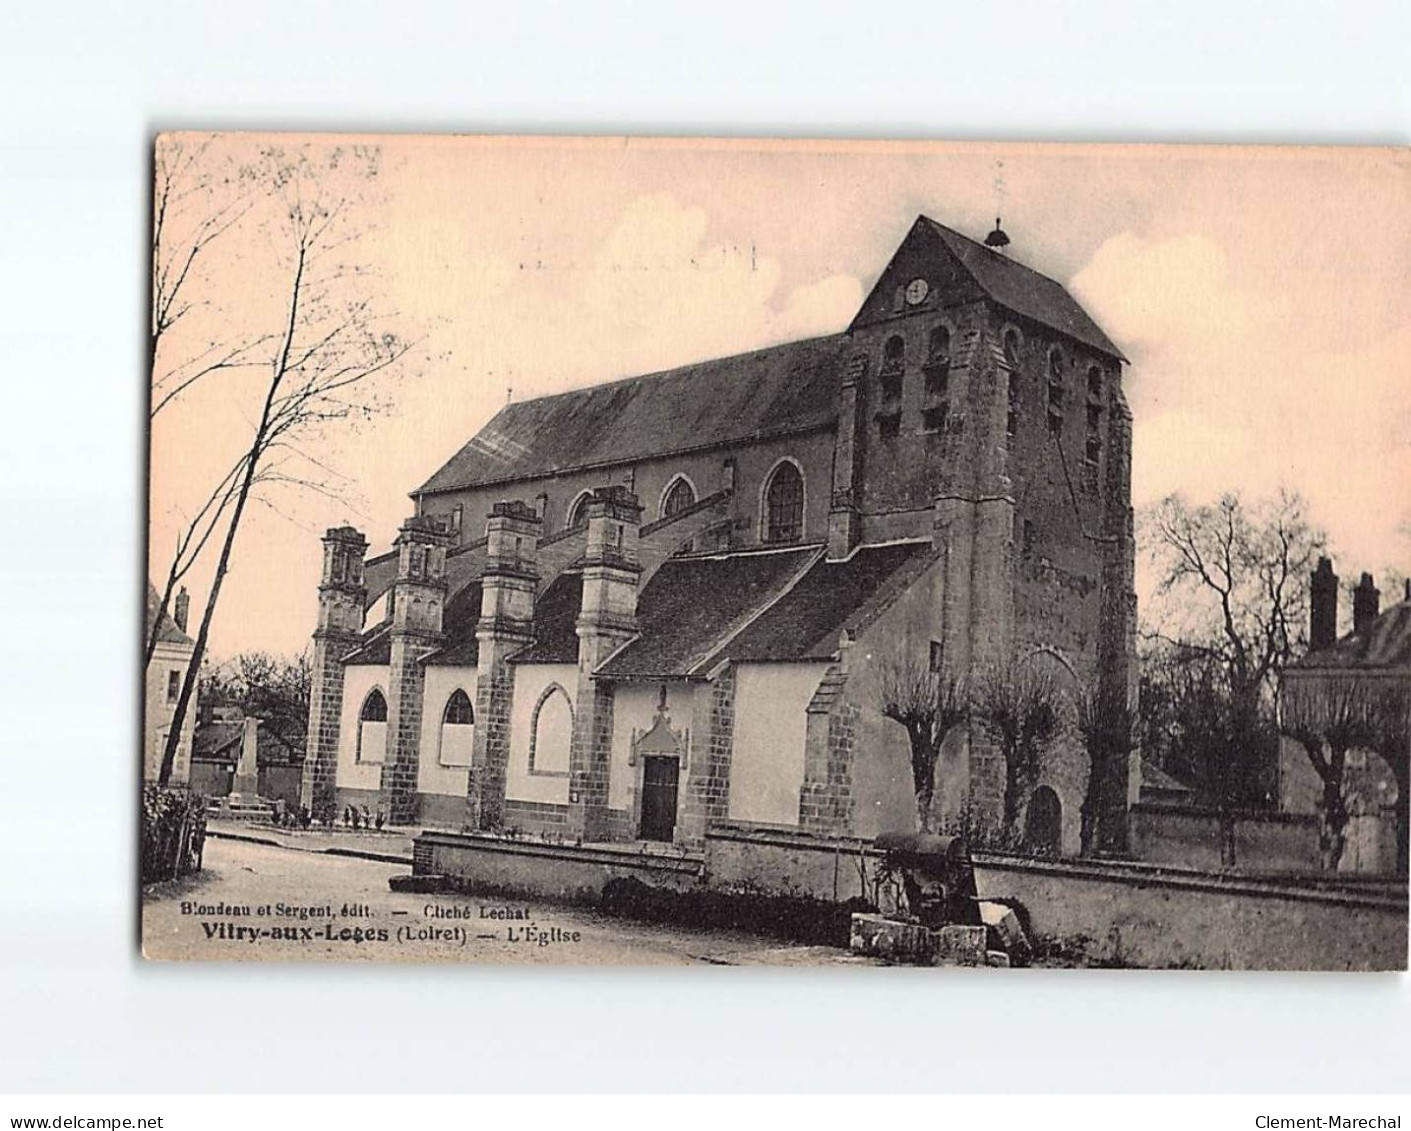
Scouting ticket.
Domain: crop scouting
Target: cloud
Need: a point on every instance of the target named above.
(1231, 390)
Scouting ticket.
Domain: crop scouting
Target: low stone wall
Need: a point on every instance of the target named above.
(1119, 913)
(1264, 842)
(493, 865)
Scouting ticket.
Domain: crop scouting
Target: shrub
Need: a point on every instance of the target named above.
(797, 918)
(173, 832)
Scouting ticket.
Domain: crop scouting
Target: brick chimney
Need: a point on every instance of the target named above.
(1322, 606)
(183, 608)
(1366, 603)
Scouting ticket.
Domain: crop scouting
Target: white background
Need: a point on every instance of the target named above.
(83, 86)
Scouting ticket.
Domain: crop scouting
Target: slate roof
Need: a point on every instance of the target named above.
(690, 606)
(167, 632)
(1155, 778)
(555, 623)
(462, 613)
(376, 646)
(1384, 644)
(222, 740)
(695, 612)
(806, 623)
(1024, 290)
(770, 392)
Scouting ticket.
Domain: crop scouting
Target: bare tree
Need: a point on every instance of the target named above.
(330, 342)
(1018, 704)
(196, 199)
(1391, 739)
(1232, 583)
(1230, 611)
(929, 705)
(1330, 715)
(271, 687)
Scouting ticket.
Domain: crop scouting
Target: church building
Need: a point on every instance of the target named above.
(630, 611)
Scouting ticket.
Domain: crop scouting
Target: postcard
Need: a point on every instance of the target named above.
(696, 551)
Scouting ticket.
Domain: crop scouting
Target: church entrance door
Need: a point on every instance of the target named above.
(659, 782)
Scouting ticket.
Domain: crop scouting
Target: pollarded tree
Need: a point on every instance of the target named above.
(928, 704)
(1329, 716)
(1019, 705)
(1391, 739)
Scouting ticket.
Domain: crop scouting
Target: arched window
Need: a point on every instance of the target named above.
(372, 728)
(679, 497)
(457, 730)
(551, 732)
(893, 368)
(1055, 390)
(938, 362)
(1012, 346)
(1095, 383)
(783, 504)
(578, 513)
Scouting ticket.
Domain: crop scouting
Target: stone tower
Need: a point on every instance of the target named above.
(506, 625)
(608, 618)
(418, 606)
(342, 599)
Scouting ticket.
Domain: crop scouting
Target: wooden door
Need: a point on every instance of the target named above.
(659, 781)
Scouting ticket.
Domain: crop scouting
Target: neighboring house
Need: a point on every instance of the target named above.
(226, 737)
(634, 610)
(1378, 651)
(1158, 788)
(164, 675)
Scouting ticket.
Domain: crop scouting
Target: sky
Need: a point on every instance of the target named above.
(1259, 293)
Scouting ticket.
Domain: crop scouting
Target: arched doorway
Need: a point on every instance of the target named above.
(1043, 826)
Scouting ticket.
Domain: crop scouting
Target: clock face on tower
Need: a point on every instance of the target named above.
(916, 291)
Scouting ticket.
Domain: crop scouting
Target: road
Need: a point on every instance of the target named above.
(279, 904)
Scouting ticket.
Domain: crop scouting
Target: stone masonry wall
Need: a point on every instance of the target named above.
(407, 684)
(319, 789)
(590, 760)
(494, 700)
(826, 799)
(707, 793)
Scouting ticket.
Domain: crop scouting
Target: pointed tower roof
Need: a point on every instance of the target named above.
(1002, 278)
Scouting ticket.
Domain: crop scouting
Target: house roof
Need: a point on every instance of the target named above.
(1024, 290)
(805, 622)
(221, 741)
(692, 605)
(1155, 778)
(770, 392)
(167, 631)
(1384, 643)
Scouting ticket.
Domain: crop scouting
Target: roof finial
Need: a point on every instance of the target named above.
(997, 239)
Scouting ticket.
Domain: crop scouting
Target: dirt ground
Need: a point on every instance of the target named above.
(254, 901)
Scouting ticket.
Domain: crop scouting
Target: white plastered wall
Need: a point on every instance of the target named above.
(530, 680)
(771, 721)
(358, 680)
(634, 707)
(433, 775)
